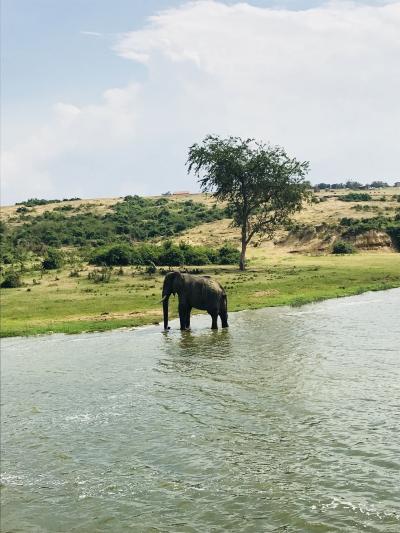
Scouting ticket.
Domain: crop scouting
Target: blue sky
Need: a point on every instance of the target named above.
(100, 100)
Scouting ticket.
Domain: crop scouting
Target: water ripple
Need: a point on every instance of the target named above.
(286, 422)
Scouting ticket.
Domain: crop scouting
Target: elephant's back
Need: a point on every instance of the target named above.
(210, 285)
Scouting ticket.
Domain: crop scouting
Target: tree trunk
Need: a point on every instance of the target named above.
(242, 260)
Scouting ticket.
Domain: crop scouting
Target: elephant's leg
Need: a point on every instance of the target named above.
(224, 319)
(214, 316)
(182, 310)
(188, 310)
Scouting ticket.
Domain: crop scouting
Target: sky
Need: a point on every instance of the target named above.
(103, 99)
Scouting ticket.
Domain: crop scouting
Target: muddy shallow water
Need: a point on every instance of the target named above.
(288, 421)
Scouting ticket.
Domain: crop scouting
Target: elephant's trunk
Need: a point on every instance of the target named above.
(165, 311)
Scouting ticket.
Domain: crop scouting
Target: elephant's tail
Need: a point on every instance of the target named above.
(225, 302)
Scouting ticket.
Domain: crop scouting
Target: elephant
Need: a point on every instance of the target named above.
(200, 292)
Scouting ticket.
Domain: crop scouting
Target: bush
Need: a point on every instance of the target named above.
(37, 201)
(394, 234)
(355, 197)
(228, 255)
(11, 280)
(196, 255)
(151, 268)
(168, 254)
(54, 259)
(171, 255)
(118, 255)
(342, 247)
(102, 275)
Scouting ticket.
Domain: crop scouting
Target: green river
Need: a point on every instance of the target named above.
(286, 422)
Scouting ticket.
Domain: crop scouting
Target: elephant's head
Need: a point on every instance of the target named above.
(173, 284)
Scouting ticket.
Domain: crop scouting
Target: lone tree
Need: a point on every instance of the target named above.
(261, 184)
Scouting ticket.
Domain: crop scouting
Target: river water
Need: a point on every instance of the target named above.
(288, 421)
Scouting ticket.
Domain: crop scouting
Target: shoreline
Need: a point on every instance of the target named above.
(107, 325)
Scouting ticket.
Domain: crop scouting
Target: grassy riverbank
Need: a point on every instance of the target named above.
(63, 304)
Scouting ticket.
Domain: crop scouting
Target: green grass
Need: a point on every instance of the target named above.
(74, 305)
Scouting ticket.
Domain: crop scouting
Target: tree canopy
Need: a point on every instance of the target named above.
(261, 184)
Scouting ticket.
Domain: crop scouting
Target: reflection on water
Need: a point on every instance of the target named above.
(288, 421)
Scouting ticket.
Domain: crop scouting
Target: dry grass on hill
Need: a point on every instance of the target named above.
(328, 211)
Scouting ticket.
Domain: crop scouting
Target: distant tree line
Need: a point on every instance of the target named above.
(32, 202)
(351, 185)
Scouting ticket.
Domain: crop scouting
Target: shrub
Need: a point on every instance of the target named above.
(54, 259)
(22, 210)
(151, 268)
(117, 255)
(171, 255)
(37, 201)
(102, 275)
(355, 197)
(11, 280)
(195, 255)
(168, 254)
(342, 247)
(228, 255)
(394, 234)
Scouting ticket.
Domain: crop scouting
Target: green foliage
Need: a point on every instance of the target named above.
(261, 184)
(394, 233)
(54, 259)
(342, 247)
(389, 225)
(171, 255)
(32, 202)
(37, 201)
(355, 197)
(228, 255)
(11, 280)
(119, 254)
(364, 207)
(378, 185)
(359, 226)
(133, 219)
(168, 254)
(102, 275)
(353, 185)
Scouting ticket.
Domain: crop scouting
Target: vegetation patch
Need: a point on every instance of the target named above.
(134, 219)
(342, 247)
(167, 254)
(355, 197)
(12, 280)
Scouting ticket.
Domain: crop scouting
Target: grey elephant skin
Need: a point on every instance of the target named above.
(200, 292)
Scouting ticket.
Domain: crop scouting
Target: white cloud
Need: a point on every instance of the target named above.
(323, 82)
(91, 33)
(65, 157)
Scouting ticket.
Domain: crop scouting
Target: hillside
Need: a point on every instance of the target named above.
(197, 220)
(316, 227)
